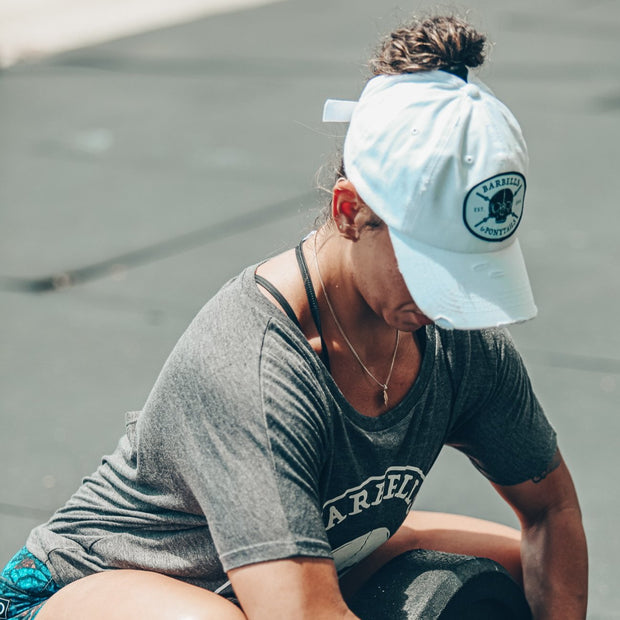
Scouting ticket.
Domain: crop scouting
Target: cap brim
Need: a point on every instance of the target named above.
(466, 290)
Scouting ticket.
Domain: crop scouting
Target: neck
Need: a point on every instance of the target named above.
(369, 334)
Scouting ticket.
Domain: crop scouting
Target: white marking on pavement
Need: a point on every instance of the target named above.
(33, 28)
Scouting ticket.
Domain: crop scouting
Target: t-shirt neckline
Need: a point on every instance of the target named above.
(373, 423)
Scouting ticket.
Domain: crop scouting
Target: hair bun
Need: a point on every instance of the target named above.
(440, 42)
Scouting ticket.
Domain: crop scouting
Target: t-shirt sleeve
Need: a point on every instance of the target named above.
(502, 427)
(246, 441)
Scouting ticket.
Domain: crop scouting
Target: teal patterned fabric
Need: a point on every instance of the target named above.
(25, 586)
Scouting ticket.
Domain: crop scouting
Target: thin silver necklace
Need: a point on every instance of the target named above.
(383, 386)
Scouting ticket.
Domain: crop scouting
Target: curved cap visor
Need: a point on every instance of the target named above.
(466, 290)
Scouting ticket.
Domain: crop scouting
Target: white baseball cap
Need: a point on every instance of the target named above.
(443, 162)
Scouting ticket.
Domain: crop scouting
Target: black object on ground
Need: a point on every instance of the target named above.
(429, 585)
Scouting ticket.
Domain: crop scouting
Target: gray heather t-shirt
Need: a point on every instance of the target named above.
(247, 451)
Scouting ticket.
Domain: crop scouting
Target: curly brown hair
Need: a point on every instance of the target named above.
(440, 42)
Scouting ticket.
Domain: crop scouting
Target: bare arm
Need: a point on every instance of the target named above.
(553, 549)
(300, 588)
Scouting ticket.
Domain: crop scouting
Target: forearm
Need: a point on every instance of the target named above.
(300, 588)
(555, 566)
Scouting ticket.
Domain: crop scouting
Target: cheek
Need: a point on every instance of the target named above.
(377, 274)
(396, 304)
(390, 291)
(395, 282)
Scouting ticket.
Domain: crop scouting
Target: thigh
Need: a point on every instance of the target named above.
(443, 532)
(135, 595)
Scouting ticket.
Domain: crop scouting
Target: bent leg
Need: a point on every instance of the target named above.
(442, 532)
(136, 595)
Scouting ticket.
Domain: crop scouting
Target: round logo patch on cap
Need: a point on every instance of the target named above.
(492, 209)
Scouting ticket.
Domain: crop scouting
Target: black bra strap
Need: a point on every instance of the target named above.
(312, 301)
(268, 286)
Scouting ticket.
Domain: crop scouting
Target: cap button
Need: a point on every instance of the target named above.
(472, 91)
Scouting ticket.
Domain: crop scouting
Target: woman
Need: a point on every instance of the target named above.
(274, 465)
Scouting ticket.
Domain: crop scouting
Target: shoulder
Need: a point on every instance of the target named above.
(462, 350)
(220, 348)
(232, 322)
(236, 335)
(483, 345)
(239, 352)
(494, 345)
(235, 305)
(479, 362)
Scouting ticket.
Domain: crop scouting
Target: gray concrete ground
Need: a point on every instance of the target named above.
(137, 176)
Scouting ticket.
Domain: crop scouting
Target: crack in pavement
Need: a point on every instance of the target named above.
(156, 251)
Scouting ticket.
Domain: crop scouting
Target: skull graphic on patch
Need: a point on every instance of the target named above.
(492, 209)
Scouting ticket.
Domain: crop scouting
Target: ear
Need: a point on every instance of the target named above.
(346, 204)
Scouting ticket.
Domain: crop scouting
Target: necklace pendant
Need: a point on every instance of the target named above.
(385, 397)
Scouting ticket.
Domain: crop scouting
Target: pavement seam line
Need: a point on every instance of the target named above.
(154, 252)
